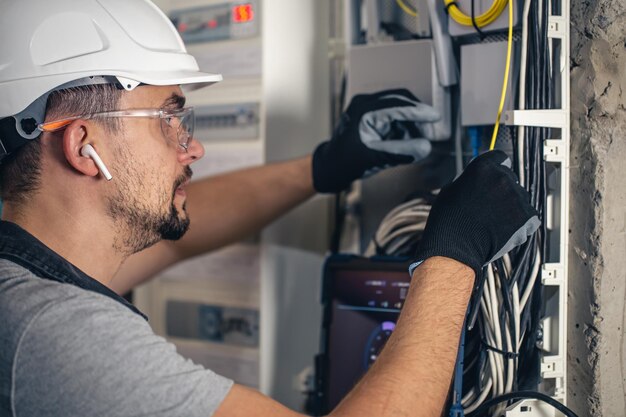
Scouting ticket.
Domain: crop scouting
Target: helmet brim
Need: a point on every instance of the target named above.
(188, 80)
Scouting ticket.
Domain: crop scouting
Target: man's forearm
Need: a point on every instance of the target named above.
(412, 375)
(227, 208)
(223, 210)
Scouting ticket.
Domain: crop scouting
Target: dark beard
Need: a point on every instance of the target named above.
(143, 228)
(173, 227)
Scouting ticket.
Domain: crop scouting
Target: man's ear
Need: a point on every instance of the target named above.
(75, 136)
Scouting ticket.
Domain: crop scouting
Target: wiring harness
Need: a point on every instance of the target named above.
(503, 323)
(401, 229)
(504, 337)
(504, 340)
(503, 344)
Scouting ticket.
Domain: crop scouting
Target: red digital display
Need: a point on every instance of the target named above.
(243, 13)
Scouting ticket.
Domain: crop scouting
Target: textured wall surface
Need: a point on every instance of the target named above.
(598, 209)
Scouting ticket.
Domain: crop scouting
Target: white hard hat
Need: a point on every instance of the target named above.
(47, 45)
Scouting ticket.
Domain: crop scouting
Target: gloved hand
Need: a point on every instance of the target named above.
(377, 131)
(481, 216)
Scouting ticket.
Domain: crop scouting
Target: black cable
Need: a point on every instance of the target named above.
(530, 361)
(525, 323)
(480, 32)
(505, 285)
(475, 301)
(507, 306)
(520, 395)
(452, 3)
(549, 102)
(522, 262)
(483, 360)
(530, 321)
(505, 311)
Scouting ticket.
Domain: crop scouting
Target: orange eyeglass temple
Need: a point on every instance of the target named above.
(51, 127)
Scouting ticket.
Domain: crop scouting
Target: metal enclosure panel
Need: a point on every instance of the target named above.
(419, 25)
(482, 71)
(385, 66)
(406, 64)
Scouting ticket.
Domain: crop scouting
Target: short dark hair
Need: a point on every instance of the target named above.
(20, 172)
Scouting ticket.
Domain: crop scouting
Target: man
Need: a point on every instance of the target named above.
(91, 91)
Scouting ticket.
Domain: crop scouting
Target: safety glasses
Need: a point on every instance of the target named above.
(176, 125)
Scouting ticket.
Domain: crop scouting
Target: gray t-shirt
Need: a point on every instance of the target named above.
(65, 351)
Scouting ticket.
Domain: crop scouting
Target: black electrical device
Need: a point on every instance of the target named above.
(362, 299)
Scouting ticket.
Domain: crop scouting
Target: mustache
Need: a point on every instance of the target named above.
(185, 176)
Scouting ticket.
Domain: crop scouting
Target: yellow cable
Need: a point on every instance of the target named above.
(406, 8)
(506, 77)
(494, 11)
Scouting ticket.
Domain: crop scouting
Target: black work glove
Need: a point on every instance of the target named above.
(377, 131)
(481, 216)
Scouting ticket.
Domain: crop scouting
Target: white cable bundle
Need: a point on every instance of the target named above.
(502, 328)
(500, 370)
(400, 227)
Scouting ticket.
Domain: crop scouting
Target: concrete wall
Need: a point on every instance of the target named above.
(598, 209)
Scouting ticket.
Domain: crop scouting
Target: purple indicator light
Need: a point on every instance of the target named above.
(388, 325)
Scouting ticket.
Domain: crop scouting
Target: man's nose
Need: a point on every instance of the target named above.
(194, 152)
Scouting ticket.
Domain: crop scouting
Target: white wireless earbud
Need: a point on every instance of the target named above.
(89, 152)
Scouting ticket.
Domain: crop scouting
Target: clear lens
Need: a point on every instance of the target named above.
(185, 131)
(178, 126)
